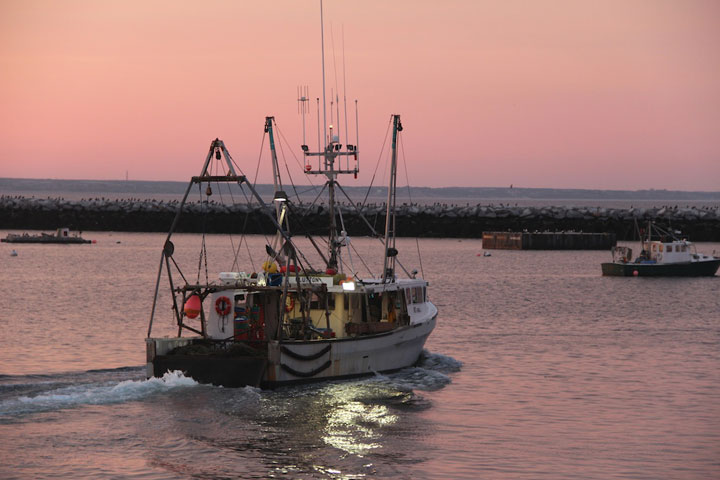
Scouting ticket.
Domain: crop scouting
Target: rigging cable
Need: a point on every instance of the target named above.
(178, 268)
(347, 241)
(204, 206)
(236, 251)
(248, 201)
(382, 149)
(372, 229)
(287, 169)
(407, 180)
(257, 169)
(282, 137)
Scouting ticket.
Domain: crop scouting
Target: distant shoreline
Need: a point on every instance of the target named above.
(143, 189)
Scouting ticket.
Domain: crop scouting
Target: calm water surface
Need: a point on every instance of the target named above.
(539, 368)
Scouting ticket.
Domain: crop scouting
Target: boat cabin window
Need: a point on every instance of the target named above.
(316, 303)
(684, 248)
(660, 247)
(669, 247)
(654, 247)
(414, 295)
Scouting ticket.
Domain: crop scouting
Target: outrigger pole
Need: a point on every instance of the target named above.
(216, 146)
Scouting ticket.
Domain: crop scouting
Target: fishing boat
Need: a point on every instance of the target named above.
(664, 254)
(62, 235)
(294, 321)
(308, 314)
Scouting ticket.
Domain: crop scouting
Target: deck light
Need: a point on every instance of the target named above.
(280, 196)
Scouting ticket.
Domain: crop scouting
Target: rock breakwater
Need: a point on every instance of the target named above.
(437, 220)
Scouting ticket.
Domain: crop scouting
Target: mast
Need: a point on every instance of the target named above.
(332, 240)
(327, 166)
(390, 250)
(280, 197)
(277, 183)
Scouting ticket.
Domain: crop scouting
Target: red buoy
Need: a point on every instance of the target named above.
(192, 306)
(635, 273)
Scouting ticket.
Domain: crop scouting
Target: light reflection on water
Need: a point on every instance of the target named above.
(352, 426)
(539, 368)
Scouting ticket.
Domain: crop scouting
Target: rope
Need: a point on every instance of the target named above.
(247, 214)
(257, 168)
(382, 149)
(282, 136)
(178, 268)
(203, 249)
(407, 181)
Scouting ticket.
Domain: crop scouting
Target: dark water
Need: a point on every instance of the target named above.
(539, 368)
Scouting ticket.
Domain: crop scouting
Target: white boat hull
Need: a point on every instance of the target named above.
(294, 362)
(290, 362)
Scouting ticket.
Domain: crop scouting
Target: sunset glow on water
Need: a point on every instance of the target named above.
(539, 368)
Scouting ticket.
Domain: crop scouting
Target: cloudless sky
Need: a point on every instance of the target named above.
(614, 94)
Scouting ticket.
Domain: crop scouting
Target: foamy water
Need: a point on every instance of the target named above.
(92, 394)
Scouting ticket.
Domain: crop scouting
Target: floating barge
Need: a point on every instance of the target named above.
(548, 241)
(62, 235)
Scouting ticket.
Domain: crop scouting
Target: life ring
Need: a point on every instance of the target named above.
(289, 307)
(223, 306)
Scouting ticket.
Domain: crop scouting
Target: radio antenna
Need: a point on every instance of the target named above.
(342, 30)
(322, 45)
(303, 99)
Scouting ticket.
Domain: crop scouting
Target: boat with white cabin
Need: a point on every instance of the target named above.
(306, 315)
(664, 254)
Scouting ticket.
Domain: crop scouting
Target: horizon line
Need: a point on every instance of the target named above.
(511, 187)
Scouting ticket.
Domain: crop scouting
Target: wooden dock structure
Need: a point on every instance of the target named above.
(548, 241)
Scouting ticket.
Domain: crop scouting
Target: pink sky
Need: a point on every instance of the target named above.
(620, 94)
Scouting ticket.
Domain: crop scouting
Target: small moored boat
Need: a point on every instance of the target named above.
(62, 235)
(666, 255)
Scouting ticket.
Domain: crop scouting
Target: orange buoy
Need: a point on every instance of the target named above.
(192, 306)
